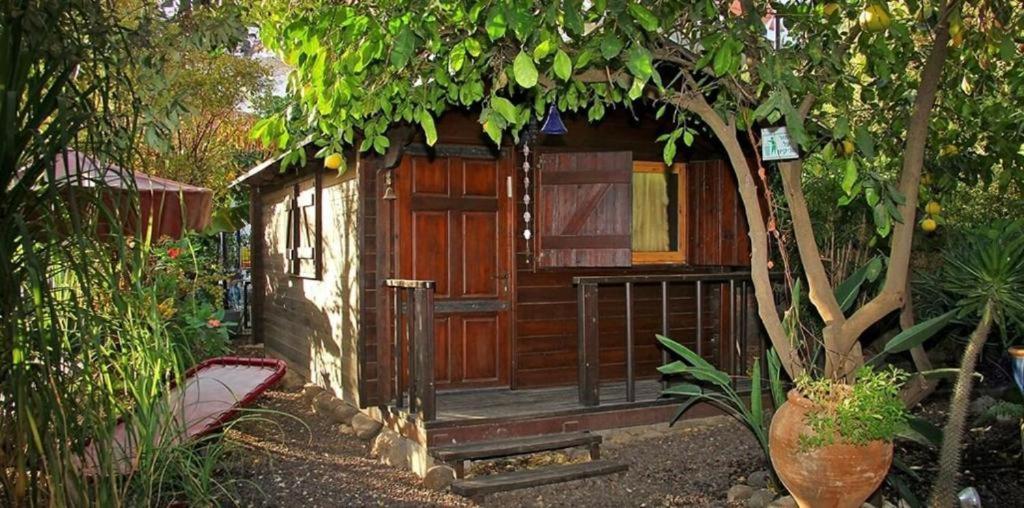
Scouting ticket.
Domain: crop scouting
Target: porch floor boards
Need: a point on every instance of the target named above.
(505, 403)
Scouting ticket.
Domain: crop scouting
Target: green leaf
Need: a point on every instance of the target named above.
(524, 71)
(917, 334)
(639, 63)
(756, 399)
(685, 389)
(775, 377)
(684, 352)
(611, 46)
(849, 176)
(496, 24)
(883, 222)
(473, 47)
(563, 65)
(643, 16)
(543, 49)
(456, 58)
(505, 108)
(668, 154)
(874, 268)
(846, 293)
(427, 124)
(922, 431)
(401, 53)
(865, 143)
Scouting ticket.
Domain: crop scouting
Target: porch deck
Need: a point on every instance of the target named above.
(504, 403)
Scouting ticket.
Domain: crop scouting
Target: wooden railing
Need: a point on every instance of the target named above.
(588, 319)
(412, 365)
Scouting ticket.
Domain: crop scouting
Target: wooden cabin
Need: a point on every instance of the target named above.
(465, 292)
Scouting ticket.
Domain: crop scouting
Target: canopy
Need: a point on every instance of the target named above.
(173, 207)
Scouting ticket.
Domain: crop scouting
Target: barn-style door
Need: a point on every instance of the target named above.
(454, 215)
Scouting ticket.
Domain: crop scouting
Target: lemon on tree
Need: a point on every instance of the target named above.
(874, 18)
(928, 225)
(848, 147)
(333, 161)
(933, 208)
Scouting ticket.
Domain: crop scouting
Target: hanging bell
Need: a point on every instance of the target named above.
(553, 124)
(389, 190)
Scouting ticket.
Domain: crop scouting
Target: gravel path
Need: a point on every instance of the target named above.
(286, 455)
(693, 466)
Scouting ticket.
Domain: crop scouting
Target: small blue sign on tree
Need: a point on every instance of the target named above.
(776, 145)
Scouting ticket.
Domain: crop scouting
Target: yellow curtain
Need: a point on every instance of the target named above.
(650, 212)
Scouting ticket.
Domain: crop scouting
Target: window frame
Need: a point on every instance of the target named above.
(295, 252)
(679, 255)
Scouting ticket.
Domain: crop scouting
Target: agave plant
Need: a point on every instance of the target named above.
(719, 391)
(984, 271)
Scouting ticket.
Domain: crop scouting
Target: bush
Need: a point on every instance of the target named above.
(869, 409)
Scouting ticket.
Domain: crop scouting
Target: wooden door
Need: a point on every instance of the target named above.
(454, 216)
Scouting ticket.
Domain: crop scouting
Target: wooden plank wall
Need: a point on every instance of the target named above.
(545, 347)
(718, 232)
(314, 324)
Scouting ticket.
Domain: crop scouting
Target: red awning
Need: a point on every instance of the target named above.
(171, 206)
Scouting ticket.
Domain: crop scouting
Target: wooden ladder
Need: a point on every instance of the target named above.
(476, 487)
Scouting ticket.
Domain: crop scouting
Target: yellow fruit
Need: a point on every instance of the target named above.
(874, 18)
(830, 9)
(955, 27)
(929, 225)
(848, 147)
(933, 208)
(949, 150)
(333, 161)
(957, 40)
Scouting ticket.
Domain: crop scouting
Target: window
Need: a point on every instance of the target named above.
(304, 229)
(659, 213)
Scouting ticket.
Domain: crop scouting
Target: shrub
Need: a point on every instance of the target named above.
(869, 409)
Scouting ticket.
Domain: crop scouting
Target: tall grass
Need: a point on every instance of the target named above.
(83, 340)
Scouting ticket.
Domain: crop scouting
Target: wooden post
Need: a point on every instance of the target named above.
(630, 385)
(424, 297)
(413, 318)
(587, 333)
(396, 350)
(664, 327)
(700, 318)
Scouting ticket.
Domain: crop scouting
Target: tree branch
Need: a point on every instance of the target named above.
(892, 294)
(697, 104)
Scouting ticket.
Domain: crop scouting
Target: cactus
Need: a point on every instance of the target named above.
(945, 487)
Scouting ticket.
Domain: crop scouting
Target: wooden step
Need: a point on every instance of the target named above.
(517, 446)
(483, 485)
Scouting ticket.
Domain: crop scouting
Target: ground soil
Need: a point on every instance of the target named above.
(991, 462)
(286, 455)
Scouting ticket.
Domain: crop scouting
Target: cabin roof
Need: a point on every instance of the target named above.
(262, 168)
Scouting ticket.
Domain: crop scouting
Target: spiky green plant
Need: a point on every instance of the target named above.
(984, 271)
(82, 337)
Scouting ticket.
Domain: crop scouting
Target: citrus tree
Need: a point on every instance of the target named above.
(855, 83)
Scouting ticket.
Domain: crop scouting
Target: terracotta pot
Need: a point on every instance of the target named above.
(834, 476)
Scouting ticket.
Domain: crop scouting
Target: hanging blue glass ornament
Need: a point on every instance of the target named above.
(553, 124)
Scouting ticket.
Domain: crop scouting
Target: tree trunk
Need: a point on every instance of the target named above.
(945, 487)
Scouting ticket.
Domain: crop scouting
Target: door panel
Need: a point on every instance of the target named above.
(430, 252)
(454, 217)
(480, 358)
(480, 259)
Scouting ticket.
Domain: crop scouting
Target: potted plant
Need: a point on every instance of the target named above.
(831, 442)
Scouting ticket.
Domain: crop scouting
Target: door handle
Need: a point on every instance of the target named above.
(504, 278)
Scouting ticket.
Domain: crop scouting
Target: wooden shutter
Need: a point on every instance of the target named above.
(305, 230)
(585, 209)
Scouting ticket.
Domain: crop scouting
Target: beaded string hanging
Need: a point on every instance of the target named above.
(527, 217)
